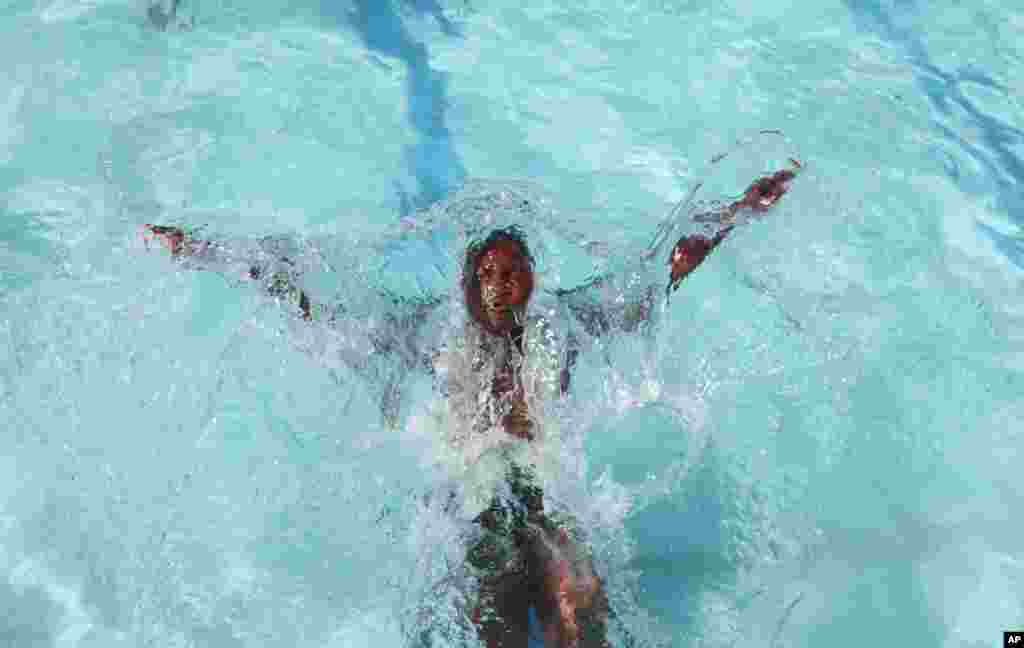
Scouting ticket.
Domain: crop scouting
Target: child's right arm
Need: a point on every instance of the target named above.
(266, 261)
(376, 335)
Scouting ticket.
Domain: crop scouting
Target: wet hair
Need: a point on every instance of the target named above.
(474, 251)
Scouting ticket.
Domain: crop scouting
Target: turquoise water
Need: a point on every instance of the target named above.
(824, 449)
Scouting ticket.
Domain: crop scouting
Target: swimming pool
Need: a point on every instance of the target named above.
(824, 449)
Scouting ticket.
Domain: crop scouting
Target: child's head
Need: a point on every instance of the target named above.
(497, 280)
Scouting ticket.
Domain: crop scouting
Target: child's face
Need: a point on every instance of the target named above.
(506, 282)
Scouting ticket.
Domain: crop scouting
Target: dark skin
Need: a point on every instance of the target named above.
(569, 588)
(563, 587)
(504, 271)
(174, 239)
(759, 197)
(506, 283)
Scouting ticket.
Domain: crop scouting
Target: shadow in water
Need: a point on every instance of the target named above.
(1012, 247)
(693, 542)
(433, 161)
(992, 141)
(432, 8)
(29, 618)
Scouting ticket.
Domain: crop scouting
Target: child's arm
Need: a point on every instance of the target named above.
(266, 261)
(691, 250)
(376, 335)
(624, 301)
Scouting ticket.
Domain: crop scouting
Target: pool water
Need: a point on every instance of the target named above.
(820, 447)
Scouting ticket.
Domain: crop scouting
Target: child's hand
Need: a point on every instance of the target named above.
(687, 254)
(763, 193)
(173, 238)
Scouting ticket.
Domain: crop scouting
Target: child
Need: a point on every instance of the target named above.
(523, 558)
